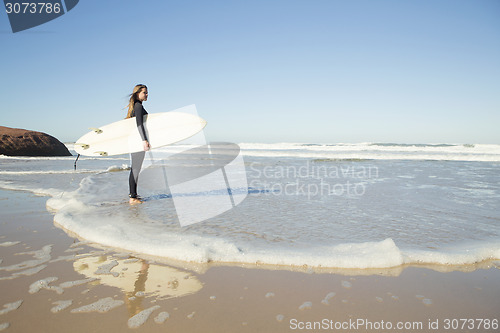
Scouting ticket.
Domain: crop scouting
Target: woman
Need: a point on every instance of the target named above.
(135, 109)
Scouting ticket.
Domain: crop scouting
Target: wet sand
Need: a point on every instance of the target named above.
(52, 282)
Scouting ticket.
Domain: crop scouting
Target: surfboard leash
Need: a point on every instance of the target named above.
(77, 160)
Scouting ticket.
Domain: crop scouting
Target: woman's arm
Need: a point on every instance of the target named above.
(139, 118)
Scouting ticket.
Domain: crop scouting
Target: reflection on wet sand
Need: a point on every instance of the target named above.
(138, 279)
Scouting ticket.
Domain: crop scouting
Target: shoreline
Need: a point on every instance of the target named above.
(212, 297)
(394, 271)
(203, 266)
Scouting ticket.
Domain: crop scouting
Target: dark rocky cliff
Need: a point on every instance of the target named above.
(21, 142)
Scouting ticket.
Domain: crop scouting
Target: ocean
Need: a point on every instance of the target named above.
(363, 205)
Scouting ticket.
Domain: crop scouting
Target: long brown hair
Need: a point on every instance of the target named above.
(133, 98)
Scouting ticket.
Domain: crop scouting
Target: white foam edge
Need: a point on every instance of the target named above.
(64, 158)
(203, 249)
(369, 146)
(52, 192)
(77, 217)
(375, 155)
(48, 172)
(74, 215)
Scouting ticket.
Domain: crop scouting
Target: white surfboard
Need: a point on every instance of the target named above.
(122, 137)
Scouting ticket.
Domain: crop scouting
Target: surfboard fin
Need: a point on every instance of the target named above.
(102, 153)
(95, 129)
(83, 145)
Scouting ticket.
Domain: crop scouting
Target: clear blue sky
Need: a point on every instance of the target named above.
(422, 71)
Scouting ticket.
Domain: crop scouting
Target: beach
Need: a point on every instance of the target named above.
(269, 166)
(343, 237)
(218, 298)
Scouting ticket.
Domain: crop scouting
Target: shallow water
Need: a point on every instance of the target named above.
(345, 205)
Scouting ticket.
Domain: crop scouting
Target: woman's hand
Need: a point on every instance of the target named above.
(146, 145)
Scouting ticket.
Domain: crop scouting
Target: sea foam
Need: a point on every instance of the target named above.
(425, 205)
(103, 305)
(77, 211)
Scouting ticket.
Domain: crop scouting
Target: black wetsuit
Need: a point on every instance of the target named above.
(137, 158)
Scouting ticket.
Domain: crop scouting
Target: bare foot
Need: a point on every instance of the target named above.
(134, 201)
